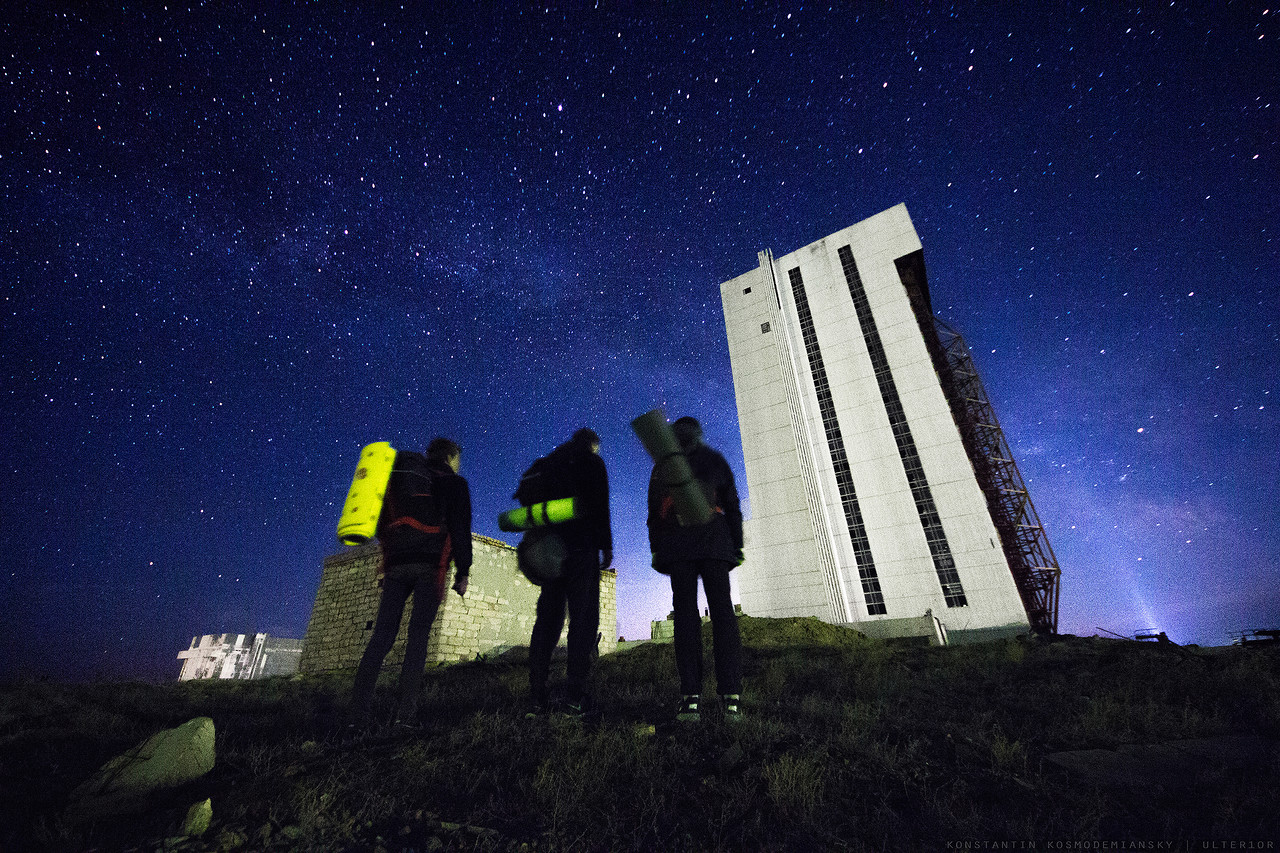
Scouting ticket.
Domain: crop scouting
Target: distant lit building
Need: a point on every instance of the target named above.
(882, 490)
(242, 656)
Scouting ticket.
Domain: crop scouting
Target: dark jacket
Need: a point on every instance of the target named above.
(452, 505)
(593, 531)
(718, 539)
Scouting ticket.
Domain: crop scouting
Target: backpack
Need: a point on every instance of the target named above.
(548, 478)
(702, 479)
(540, 556)
(412, 520)
(541, 553)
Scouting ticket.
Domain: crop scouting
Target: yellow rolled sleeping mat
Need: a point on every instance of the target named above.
(359, 520)
(539, 515)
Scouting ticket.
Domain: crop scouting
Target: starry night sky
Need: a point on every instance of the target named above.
(241, 241)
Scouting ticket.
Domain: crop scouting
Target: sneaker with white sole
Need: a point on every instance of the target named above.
(732, 707)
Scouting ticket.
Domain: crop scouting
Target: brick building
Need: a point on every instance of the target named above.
(496, 614)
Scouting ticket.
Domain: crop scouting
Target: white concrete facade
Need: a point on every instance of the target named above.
(816, 536)
(241, 656)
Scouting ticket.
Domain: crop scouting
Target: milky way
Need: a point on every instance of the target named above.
(238, 245)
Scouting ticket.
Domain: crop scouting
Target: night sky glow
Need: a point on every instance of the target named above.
(242, 241)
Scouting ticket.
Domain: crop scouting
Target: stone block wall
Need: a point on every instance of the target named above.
(665, 631)
(496, 614)
(608, 612)
(342, 616)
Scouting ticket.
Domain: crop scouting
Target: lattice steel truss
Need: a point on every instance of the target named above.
(1035, 568)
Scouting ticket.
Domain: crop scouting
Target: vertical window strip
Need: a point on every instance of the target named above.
(871, 591)
(940, 551)
(837, 601)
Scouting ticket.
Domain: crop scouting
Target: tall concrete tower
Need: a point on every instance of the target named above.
(882, 490)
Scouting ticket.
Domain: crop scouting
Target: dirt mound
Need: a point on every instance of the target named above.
(770, 633)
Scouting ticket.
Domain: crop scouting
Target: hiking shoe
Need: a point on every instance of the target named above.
(732, 707)
(689, 712)
(579, 708)
(539, 703)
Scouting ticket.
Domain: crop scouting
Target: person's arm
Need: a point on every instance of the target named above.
(657, 493)
(655, 502)
(606, 524)
(731, 504)
(458, 520)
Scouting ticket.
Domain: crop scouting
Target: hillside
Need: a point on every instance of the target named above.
(848, 743)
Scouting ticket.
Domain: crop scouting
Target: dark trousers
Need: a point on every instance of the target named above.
(421, 583)
(579, 590)
(688, 625)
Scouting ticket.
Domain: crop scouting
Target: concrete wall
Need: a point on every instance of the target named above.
(664, 630)
(782, 530)
(792, 521)
(496, 614)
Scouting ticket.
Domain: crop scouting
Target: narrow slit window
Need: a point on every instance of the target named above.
(871, 591)
(930, 521)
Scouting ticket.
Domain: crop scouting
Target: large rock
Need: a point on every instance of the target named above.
(1176, 764)
(164, 760)
(196, 823)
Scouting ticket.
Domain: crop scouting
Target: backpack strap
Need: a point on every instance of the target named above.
(410, 521)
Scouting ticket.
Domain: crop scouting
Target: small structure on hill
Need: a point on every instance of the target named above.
(664, 630)
(241, 656)
(1258, 636)
(496, 614)
(927, 628)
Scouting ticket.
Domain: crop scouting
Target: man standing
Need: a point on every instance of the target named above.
(586, 538)
(709, 551)
(425, 523)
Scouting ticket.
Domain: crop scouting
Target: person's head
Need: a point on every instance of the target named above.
(445, 451)
(587, 440)
(688, 431)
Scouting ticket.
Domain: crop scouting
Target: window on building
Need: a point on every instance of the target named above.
(943, 562)
(871, 592)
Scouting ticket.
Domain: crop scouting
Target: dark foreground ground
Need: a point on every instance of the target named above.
(848, 744)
